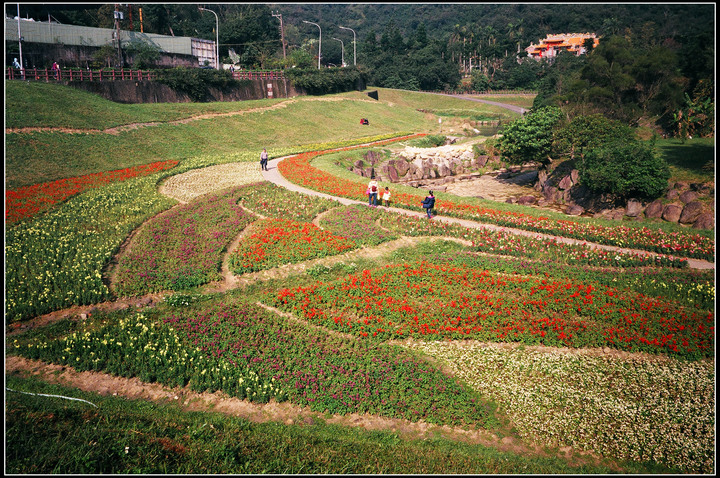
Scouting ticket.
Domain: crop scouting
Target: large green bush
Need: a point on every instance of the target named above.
(625, 169)
(587, 132)
(326, 80)
(196, 82)
(530, 137)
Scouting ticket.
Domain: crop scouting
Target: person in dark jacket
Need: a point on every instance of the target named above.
(429, 203)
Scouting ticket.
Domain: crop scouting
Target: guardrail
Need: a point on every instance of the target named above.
(48, 75)
(260, 74)
(45, 74)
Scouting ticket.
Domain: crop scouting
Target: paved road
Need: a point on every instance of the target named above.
(516, 109)
(273, 175)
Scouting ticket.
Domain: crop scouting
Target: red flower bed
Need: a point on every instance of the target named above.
(429, 301)
(298, 170)
(28, 201)
(282, 241)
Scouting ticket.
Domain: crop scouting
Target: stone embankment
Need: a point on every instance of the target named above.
(459, 169)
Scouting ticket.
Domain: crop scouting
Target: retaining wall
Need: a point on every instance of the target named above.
(141, 91)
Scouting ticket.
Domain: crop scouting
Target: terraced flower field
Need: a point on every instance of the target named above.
(563, 347)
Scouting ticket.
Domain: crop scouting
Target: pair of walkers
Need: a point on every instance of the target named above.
(373, 191)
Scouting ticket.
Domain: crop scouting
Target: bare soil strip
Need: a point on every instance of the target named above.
(285, 412)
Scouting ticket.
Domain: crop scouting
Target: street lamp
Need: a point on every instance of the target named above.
(342, 50)
(320, 43)
(354, 45)
(217, 37)
(20, 40)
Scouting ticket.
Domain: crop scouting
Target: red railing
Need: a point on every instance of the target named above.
(45, 74)
(258, 74)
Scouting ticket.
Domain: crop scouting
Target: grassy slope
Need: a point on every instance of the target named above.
(45, 156)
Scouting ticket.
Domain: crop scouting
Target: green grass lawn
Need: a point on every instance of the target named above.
(43, 156)
(690, 161)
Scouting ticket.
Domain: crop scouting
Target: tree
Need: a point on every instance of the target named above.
(479, 81)
(106, 55)
(587, 132)
(143, 55)
(626, 170)
(530, 138)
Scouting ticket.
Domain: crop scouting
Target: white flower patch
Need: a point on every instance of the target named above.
(197, 182)
(643, 410)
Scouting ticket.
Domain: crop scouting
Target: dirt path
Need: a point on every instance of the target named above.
(285, 412)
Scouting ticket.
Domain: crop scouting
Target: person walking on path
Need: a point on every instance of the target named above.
(56, 69)
(429, 203)
(386, 196)
(263, 160)
(373, 188)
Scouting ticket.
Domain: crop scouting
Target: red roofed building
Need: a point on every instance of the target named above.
(554, 44)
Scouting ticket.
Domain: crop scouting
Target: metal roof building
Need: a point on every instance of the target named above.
(57, 33)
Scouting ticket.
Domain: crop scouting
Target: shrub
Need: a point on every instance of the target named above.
(530, 137)
(589, 131)
(325, 81)
(625, 170)
(196, 82)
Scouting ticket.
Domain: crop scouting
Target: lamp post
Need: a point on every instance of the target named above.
(342, 50)
(217, 37)
(20, 40)
(320, 42)
(354, 45)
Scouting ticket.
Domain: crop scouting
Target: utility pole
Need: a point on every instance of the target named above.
(282, 31)
(118, 16)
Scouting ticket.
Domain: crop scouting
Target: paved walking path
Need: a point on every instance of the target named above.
(273, 175)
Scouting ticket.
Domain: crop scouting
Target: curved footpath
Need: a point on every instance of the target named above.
(273, 175)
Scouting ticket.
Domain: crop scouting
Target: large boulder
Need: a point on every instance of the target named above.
(672, 194)
(574, 210)
(480, 161)
(688, 197)
(392, 173)
(549, 193)
(565, 183)
(527, 200)
(444, 171)
(691, 212)
(402, 166)
(654, 209)
(671, 213)
(634, 208)
(706, 220)
(611, 214)
(574, 175)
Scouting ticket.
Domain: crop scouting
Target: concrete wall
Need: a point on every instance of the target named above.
(132, 91)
